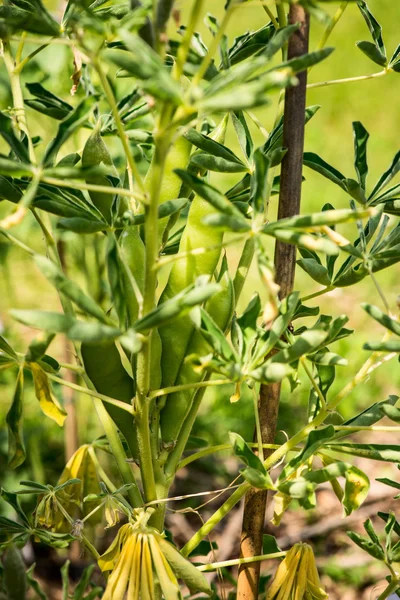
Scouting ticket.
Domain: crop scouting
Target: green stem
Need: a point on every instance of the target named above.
(100, 471)
(149, 302)
(219, 448)
(18, 98)
(186, 386)
(93, 394)
(16, 241)
(187, 38)
(245, 487)
(271, 16)
(21, 64)
(117, 448)
(258, 424)
(325, 290)
(119, 125)
(91, 187)
(347, 79)
(213, 46)
(313, 382)
(355, 429)
(282, 19)
(392, 587)
(374, 361)
(239, 561)
(335, 19)
(243, 267)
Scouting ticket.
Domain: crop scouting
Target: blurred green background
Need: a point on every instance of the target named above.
(374, 103)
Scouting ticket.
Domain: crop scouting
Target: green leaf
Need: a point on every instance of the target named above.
(328, 473)
(361, 136)
(245, 453)
(325, 217)
(382, 318)
(381, 452)
(315, 162)
(166, 209)
(271, 372)
(387, 176)
(250, 43)
(14, 577)
(210, 146)
(389, 346)
(260, 481)
(176, 306)
(304, 240)
(16, 448)
(6, 348)
(270, 545)
(374, 549)
(208, 162)
(243, 133)
(215, 337)
(82, 225)
(279, 39)
(390, 411)
(8, 133)
(209, 193)
(247, 95)
(297, 488)
(71, 123)
(369, 416)
(49, 321)
(29, 15)
(356, 489)
(275, 139)
(315, 270)
(306, 61)
(323, 357)
(69, 288)
(38, 346)
(13, 168)
(146, 65)
(373, 52)
(373, 26)
(34, 584)
(48, 403)
(315, 440)
(225, 222)
(13, 500)
(394, 62)
(47, 103)
(305, 344)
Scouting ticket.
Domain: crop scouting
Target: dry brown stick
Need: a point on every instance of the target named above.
(285, 262)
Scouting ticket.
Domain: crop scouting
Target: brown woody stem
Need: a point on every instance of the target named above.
(285, 262)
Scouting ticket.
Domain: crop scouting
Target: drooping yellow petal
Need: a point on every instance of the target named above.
(285, 592)
(110, 557)
(300, 584)
(135, 573)
(147, 579)
(118, 580)
(281, 574)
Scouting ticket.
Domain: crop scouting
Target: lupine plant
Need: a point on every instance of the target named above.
(132, 173)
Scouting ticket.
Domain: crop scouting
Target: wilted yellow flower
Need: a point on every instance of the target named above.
(140, 555)
(297, 577)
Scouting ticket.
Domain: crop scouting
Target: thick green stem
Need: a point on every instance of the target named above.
(187, 38)
(392, 587)
(334, 21)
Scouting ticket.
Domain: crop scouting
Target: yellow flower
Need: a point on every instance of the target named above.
(138, 557)
(297, 577)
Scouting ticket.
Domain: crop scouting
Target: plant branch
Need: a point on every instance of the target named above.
(319, 84)
(239, 561)
(285, 263)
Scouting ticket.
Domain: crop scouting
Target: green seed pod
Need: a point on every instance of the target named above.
(220, 307)
(134, 254)
(177, 158)
(104, 368)
(94, 153)
(184, 569)
(175, 337)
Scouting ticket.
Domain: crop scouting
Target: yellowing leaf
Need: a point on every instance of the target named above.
(48, 402)
(356, 489)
